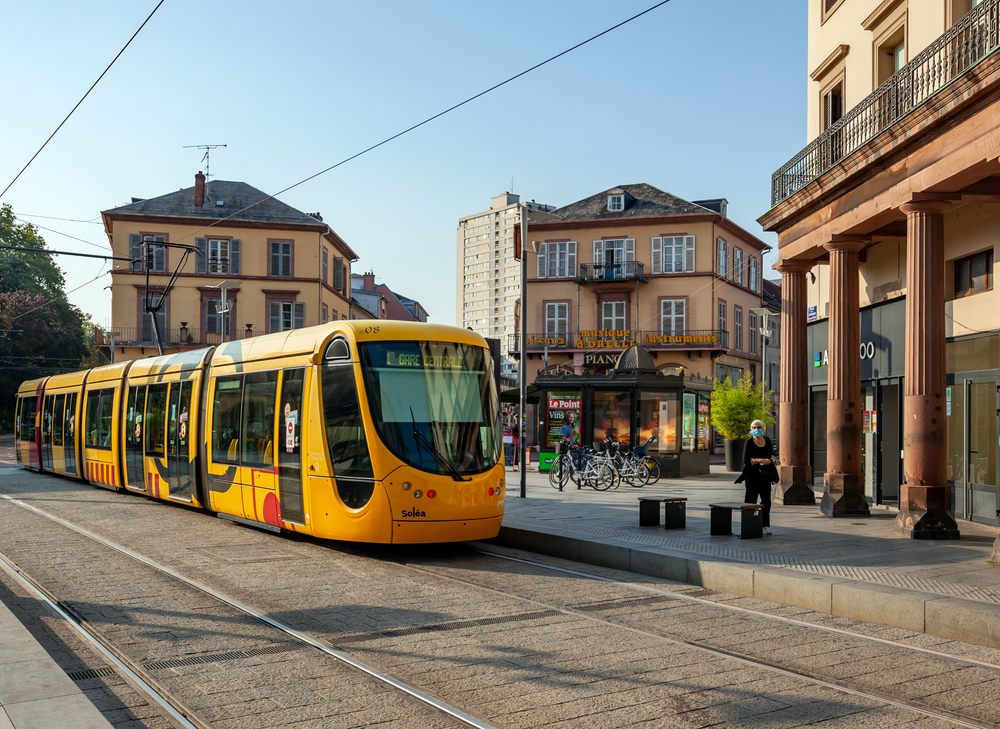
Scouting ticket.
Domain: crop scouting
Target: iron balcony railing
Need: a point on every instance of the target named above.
(624, 271)
(973, 38)
(180, 337)
(617, 340)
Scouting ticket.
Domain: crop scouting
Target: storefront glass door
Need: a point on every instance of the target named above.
(971, 406)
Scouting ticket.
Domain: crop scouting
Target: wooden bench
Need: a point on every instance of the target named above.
(674, 511)
(751, 519)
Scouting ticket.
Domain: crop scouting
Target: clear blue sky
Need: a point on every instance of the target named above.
(701, 98)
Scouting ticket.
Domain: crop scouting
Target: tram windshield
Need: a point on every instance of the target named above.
(434, 404)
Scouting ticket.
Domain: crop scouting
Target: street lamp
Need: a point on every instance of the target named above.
(765, 332)
(223, 310)
(522, 367)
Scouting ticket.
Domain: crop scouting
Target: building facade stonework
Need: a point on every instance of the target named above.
(887, 224)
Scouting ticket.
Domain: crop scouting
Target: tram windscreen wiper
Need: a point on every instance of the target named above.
(423, 440)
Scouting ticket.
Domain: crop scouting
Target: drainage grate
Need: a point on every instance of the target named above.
(615, 604)
(218, 657)
(437, 627)
(86, 673)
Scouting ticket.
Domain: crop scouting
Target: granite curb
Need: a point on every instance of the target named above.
(954, 618)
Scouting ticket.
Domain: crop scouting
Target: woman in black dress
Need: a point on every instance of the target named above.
(759, 472)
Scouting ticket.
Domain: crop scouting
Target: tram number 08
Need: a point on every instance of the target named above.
(371, 330)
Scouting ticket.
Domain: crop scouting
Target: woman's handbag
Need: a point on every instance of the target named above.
(772, 472)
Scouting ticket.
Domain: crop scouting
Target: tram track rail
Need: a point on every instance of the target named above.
(585, 612)
(297, 635)
(812, 677)
(133, 673)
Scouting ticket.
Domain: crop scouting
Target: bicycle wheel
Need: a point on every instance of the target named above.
(652, 469)
(601, 477)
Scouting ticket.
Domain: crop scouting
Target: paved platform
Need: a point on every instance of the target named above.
(859, 568)
(35, 693)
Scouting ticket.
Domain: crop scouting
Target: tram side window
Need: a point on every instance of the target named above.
(345, 431)
(226, 419)
(47, 419)
(70, 419)
(27, 424)
(59, 404)
(99, 406)
(258, 418)
(155, 420)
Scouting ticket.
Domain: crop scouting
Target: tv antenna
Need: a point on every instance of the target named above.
(206, 157)
(512, 185)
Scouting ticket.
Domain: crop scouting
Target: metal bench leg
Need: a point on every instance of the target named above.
(751, 524)
(649, 513)
(721, 522)
(674, 516)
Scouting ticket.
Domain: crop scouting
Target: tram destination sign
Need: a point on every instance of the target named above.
(415, 360)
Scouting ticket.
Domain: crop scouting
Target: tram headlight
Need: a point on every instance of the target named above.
(406, 485)
(417, 494)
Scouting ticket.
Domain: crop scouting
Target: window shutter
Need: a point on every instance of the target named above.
(338, 273)
(598, 252)
(630, 249)
(200, 255)
(234, 256)
(273, 316)
(135, 250)
(689, 253)
(571, 258)
(657, 255)
(300, 315)
(275, 260)
(542, 253)
(159, 254)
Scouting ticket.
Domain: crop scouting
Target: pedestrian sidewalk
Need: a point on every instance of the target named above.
(35, 693)
(859, 568)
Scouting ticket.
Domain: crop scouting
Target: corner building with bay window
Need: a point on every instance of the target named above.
(887, 225)
(675, 284)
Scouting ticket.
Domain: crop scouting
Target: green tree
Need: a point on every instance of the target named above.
(41, 333)
(734, 407)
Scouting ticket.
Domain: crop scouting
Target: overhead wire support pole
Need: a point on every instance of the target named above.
(522, 439)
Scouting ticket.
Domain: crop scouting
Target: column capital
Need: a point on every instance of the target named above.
(848, 243)
(929, 205)
(793, 266)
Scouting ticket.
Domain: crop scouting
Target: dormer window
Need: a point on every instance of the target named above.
(616, 202)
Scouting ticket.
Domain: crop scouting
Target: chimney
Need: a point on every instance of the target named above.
(199, 189)
(369, 281)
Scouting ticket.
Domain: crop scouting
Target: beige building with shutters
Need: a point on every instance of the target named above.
(275, 267)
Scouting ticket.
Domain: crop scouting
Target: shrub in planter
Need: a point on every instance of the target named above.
(734, 407)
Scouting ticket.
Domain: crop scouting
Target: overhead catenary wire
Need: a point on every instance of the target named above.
(67, 235)
(429, 119)
(85, 95)
(92, 221)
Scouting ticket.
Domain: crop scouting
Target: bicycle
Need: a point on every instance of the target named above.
(581, 469)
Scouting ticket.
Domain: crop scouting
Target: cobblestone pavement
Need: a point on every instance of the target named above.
(512, 642)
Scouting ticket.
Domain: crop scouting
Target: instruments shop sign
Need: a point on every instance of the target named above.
(617, 339)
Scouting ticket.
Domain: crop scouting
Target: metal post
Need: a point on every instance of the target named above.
(523, 369)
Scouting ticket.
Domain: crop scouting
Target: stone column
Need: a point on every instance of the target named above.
(925, 510)
(843, 488)
(794, 469)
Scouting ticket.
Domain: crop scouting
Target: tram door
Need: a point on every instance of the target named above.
(180, 466)
(69, 433)
(257, 446)
(47, 405)
(289, 446)
(134, 478)
(154, 427)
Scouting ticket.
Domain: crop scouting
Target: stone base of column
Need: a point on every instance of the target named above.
(794, 486)
(925, 513)
(996, 552)
(843, 495)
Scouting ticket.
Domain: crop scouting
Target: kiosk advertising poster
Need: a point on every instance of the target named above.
(688, 422)
(562, 407)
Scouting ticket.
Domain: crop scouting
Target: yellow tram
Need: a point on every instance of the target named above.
(355, 430)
